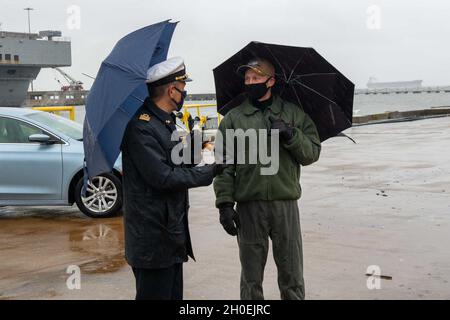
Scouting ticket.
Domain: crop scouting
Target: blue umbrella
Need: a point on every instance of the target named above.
(118, 91)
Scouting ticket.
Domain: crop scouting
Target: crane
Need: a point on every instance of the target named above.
(74, 85)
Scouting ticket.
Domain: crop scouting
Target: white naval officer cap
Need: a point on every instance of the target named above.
(170, 70)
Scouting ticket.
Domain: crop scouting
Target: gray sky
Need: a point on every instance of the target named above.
(409, 40)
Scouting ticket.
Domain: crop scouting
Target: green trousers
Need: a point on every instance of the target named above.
(280, 221)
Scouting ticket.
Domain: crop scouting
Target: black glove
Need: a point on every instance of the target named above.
(229, 218)
(286, 131)
(218, 168)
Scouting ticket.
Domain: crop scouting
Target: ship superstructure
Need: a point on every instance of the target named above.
(22, 55)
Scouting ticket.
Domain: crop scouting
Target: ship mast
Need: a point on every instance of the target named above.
(29, 24)
(29, 33)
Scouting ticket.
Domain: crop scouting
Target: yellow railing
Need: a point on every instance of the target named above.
(198, 108)
(57, 110)
(186, 108)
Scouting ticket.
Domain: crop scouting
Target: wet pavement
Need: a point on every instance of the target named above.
(382, 202)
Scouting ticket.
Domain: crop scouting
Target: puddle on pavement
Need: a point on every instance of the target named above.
(95, 245)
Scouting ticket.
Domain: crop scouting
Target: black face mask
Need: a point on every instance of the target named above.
(256, 91)
(181, 102)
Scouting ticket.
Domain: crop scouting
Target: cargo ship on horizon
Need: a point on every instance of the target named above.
(411, 84)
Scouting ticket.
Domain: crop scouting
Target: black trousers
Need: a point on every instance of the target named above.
(159, 284)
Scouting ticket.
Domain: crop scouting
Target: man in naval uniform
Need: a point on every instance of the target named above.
(157, 240)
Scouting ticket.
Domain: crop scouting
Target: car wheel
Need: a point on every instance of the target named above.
(103, 196)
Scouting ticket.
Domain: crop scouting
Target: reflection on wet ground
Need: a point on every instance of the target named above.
(39, 240)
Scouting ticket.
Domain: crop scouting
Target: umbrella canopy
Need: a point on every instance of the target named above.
(118, 91)
(303, 77)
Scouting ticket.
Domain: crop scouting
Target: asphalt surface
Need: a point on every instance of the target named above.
(384, 202)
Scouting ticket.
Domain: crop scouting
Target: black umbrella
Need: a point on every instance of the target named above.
(303, 77)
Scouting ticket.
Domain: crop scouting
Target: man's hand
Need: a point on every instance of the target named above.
(229, 218)
(218, 168)
(286, 132)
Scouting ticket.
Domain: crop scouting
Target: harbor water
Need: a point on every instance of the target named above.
(363, 104)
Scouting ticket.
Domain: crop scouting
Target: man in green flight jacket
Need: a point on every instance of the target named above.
(267, 204)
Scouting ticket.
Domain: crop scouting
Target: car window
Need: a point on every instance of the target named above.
(60, 124)
(16, 131)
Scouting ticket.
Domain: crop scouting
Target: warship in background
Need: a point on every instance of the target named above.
(22, 55)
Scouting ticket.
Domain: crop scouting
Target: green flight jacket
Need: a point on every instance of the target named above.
(244, 182)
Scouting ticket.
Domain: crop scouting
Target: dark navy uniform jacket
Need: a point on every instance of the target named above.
(156, 191)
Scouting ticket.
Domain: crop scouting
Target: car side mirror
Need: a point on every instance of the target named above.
(40, 138)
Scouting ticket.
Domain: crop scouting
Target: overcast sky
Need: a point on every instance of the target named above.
(390, 40)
